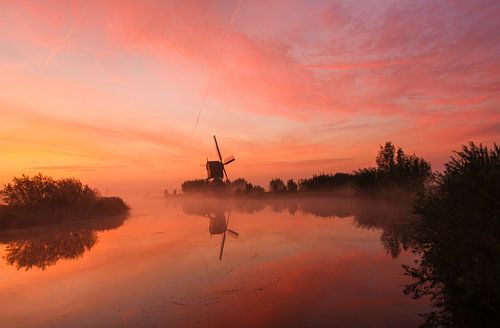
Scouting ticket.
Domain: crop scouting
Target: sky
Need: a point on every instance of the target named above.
(126, 95)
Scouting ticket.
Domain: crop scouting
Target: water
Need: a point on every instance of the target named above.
(315, 263)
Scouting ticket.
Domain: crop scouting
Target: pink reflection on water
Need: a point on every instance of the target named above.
(161, 267)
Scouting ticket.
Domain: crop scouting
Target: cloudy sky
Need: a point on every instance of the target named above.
(129, 93)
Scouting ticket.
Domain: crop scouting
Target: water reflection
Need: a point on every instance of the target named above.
(219, 221)
(395, 219)
(288, 268)
(40, 247)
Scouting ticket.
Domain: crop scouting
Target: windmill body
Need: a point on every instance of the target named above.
(216, 170)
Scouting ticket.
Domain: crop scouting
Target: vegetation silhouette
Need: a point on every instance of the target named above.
(239, 186)
(42, 200)
(450, 220)
(396, 172)
(458, 241)
(326, 182)
(43, 246)
(291, 186)
(277, 185)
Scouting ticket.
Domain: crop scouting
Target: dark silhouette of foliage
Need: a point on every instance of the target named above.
(41, 200)
(458, 239)
(366, 180)
(326, 182)
(291, 185)
(240, 185)
(41, 190)
(397, 170)
(258, 189)
(193, 186)
(277, 185)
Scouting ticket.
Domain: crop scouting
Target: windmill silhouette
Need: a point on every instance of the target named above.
(216, 170)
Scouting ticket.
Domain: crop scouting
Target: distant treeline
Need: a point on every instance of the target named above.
(395, 171)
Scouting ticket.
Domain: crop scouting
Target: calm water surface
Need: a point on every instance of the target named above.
(314, 263)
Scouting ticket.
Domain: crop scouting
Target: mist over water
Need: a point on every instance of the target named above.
(309, 262)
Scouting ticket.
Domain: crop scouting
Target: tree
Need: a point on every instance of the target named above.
(41, 190)
(458, 241)
(396, 170)
(385, 158)
(291, 185)
(277, 185)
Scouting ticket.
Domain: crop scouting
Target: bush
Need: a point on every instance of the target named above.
(458, 239)
(326, 182)
(41, 190)
(277, 185)
(291, 185)
(193, 186)
(366, 180)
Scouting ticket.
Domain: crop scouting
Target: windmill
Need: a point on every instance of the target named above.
(216, 170)
(220, 225)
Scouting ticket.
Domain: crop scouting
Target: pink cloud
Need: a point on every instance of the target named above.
(429, 68)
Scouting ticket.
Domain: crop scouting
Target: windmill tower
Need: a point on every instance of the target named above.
(216, 170)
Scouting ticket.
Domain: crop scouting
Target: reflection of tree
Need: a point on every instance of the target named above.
(45, 251)
(393, 217)
(44, 246)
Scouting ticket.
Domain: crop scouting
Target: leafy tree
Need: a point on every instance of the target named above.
(397, 170)
(458, 240)
(277, 185)
(291, 185)
(385, 158)
(41, 190)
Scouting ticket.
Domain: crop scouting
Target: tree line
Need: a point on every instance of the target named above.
(395, 170)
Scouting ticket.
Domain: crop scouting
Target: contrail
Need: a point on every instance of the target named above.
(208, 127)
(231, 23)
(67, 37)
(235, 12)
(202, 105)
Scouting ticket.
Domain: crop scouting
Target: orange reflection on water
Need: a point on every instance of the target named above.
(162, 267)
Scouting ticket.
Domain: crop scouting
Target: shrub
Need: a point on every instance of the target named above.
(277, 185)
(458, 239)
(326, 182)
(291, 185)
(193, 186)
(41, 190)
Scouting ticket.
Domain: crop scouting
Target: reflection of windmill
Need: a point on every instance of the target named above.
(219, 225)
(216, 170)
